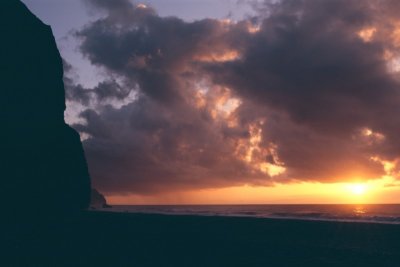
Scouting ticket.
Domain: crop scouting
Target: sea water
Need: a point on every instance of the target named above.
(376, 213)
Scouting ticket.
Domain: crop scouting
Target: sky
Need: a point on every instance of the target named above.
(233, 102)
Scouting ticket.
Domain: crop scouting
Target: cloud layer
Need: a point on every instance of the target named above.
(303, 91)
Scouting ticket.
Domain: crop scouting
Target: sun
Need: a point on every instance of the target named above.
(357, 189)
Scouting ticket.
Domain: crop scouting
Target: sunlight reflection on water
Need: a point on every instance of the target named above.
(385, 213)
(359, 210)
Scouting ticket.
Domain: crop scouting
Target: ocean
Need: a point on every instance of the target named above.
(373, 213)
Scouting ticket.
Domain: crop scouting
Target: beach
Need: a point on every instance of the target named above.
(125, 239)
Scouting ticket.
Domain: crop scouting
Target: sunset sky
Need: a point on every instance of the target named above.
(234, 101)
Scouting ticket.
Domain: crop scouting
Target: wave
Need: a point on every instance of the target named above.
(388, 214)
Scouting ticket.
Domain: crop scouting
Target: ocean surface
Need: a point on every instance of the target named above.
(382, 213)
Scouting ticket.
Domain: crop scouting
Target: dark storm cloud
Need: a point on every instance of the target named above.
(149, 50)
(308, 62)
(145, 147)
(311, 79)
(108, 89)
(307, 58)
(74, 92)
(105, 90)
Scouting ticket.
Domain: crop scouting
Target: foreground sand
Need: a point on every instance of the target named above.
(112, 239)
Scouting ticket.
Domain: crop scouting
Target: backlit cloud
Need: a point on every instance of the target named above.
(305, 91)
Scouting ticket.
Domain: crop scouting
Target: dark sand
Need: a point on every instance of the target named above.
(112, 239)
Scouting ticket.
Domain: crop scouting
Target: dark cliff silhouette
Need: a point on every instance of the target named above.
(43, 164)
(98, 200)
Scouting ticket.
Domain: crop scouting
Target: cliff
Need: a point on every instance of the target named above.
(44, 167)
(98, 200)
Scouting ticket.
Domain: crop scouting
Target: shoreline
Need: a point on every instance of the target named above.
(301, 217)
(99, 238)
(290, 218)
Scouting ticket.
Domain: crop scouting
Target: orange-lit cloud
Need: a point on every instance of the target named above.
(253, 28)
(141, 6)
(367, 34)
(223, 56)
(279, 107)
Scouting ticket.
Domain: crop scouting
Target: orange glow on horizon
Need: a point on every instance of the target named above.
(357, 189)
(384, 190)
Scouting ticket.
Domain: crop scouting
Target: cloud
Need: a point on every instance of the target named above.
(145, 147)
(304, 91)
(105, 90)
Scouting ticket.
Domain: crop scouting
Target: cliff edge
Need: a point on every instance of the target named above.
(44, 167)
